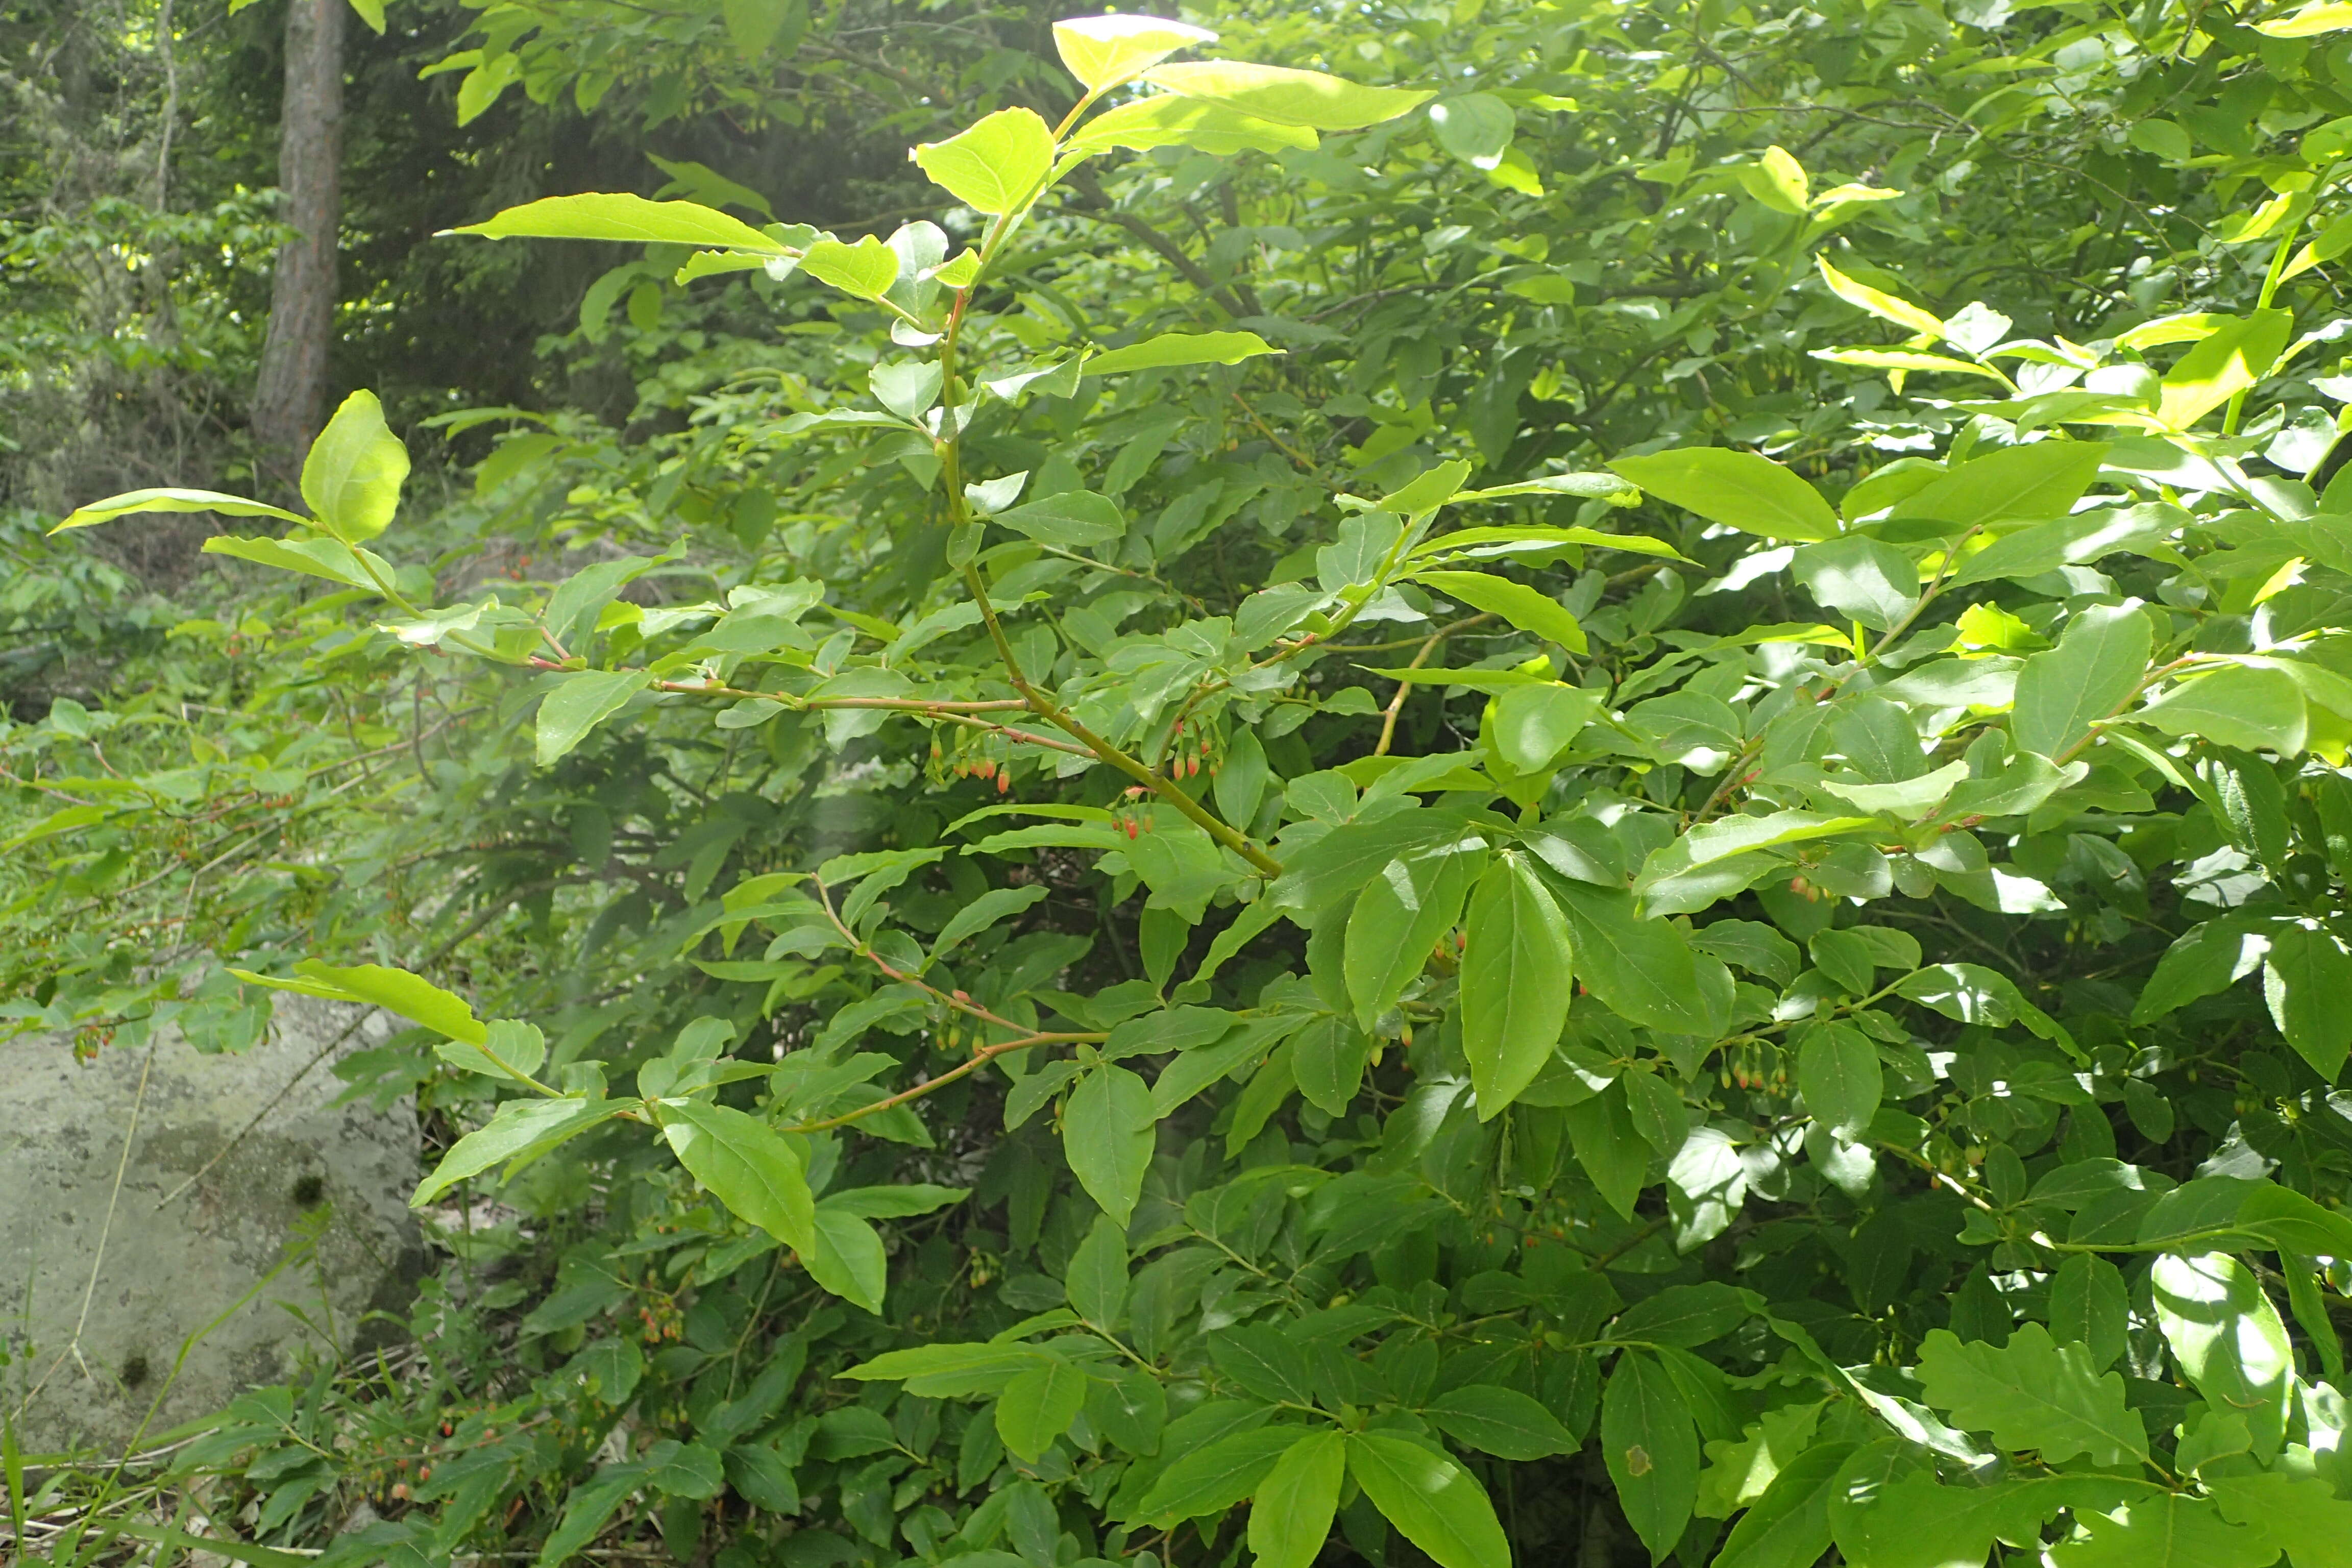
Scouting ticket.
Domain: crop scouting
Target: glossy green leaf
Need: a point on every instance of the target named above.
(1524, 608)
(865, 271)
(1434, 1502)
(2089, 676)
(2307, 981)
(316, 557)
(1102, 51)
(1179, 349)
(1096, 1280)
(520, 1131)
(578, 703)
(1290, 1518)
(2224, 364)
(130, 503)
(746, 1165)
(1108, 1134)
(994, 166)
(624, 217)
(1208, 1480)
(2228, 1339)
(1038, 1407)
(1839, 1075)
(1398, 919)
(1287, 97)
(352, 478)
(1651, 1449)
(1515, 981)
(1739, 489)
(1074, 519)
(847, 1256)
(2249, 708)
(1789, 1526)
(1499, 1421)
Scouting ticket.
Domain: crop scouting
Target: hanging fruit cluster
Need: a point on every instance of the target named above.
(1755, 1065)
(972, 754)
(1133, 815)
(1192, 754)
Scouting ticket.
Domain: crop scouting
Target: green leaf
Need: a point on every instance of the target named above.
(2209, 957)
(1778, 180)
(1885, 305)
(2032, 1394)
(1499, 1421)
(866, 269)
(1642, 969)
(2073, 540)
(1859, 579)
(994, 166)
(2287, 1220)
(1434, 1502)
(626, 217)
(1074, 519)
(1290, 1518)
(1179, 348)
(1289, 97)
(351, 480)
(395, 990)
(520, 1132)
(319, 557)
(2166, 1530)
(1476, 127)
(746, 1165)
(2090, 1306)
(2224, 364)
(2091, 674)
(2300, 1513)
(2006, 487)
(752, 27)
(2228, 1338)
(2307, 981)
(1038, 1407)
(1916, 1522)
(1514, 982)
(949, 1372)
(1102, 51)
(2253, 709)
(1208, 1480)
(1527, 608)
(586, 1509)
(898, 1201)
(996, 904)
(1096, 1280)
(1327, 1058)
(1397, 920)
(1739, 489)
(1789, 1526)
(1169, 120)
(132, 502)
(512, 1050)
(1651, 1449)
(580, 702)
(1263, 1363)
(1108, 1131)
(1839, 1075)
(847, 1256)
(1534, 724)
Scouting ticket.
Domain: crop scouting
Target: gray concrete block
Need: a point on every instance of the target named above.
(179, 1252)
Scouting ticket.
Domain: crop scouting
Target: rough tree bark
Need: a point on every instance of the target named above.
(289, 404)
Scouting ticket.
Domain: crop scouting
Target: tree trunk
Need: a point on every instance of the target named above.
(289, 404)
